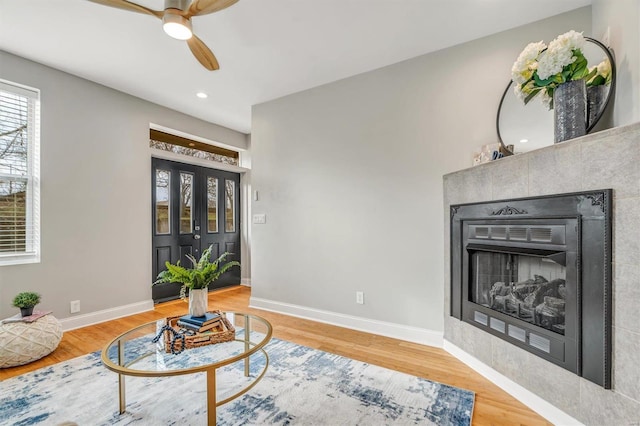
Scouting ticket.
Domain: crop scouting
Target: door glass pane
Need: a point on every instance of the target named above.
(186, 212)
(229, 205)
(163, 191)
(212, 204)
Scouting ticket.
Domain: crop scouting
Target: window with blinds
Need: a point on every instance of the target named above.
(19, 174)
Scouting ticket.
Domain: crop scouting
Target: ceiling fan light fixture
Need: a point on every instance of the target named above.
(177, 26)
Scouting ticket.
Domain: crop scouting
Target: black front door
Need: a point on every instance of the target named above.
(193, 208)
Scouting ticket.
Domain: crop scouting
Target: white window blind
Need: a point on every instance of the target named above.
(19, 174)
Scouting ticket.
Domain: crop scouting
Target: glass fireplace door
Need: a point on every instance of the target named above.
(531, 288)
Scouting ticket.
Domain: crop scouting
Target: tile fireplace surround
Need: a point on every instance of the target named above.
(607, 159)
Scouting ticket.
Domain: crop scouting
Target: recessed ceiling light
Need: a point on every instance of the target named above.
(192, 144)
(202, 95)
(524, 140)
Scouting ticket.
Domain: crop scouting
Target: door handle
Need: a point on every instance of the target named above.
(196, 236)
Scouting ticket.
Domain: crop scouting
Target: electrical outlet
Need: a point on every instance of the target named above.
(359, 297)
(74, 306)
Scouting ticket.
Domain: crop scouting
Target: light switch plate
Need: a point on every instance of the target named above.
(260, 218)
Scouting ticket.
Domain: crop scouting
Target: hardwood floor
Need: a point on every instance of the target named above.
(493, 406)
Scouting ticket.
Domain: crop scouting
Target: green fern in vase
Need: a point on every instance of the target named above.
(203, 273)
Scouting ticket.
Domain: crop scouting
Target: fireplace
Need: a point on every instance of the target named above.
(536, 272)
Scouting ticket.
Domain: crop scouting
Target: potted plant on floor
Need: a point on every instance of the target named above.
(26, 302)
(196, 279)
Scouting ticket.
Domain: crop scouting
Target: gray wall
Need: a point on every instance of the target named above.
(621, 19)
(96, 191)
(602, 160)
(349, 176)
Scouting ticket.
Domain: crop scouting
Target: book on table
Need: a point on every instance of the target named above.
(213, 326)
(216, 327)
(188, 326)
(207, 318)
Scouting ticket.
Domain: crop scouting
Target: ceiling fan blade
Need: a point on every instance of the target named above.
(204, 7)
(132, 7)
(202, 53)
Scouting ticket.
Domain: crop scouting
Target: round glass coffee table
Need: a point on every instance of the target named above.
(134, 353)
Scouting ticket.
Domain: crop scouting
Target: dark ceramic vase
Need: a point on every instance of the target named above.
(26, 311)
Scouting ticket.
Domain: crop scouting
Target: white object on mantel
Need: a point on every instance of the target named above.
(198, 302)
(488, 152)
(25, 342)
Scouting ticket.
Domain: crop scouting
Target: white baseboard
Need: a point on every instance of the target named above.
(91, 318)
(246, 282)
(528, 398)
(397, 331)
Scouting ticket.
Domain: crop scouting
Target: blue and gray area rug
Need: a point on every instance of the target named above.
(302, 386)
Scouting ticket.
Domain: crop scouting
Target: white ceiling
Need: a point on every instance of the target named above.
(266, 48)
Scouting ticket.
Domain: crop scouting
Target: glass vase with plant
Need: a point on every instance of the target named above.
(540, 69)
(197, 278)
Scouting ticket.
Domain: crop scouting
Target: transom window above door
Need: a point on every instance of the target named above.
(179, 145)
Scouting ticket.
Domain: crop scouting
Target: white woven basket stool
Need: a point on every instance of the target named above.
(23, 342)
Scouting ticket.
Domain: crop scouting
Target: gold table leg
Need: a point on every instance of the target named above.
(247, 335)
(123, 403)
(211, 397)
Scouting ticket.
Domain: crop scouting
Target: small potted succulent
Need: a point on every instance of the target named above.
(26, 301)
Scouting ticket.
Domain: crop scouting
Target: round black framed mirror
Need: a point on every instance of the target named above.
(529, 127)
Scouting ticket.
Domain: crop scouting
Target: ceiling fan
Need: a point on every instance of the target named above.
(176, 22)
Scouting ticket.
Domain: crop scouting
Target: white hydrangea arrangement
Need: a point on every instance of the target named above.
(540, 68)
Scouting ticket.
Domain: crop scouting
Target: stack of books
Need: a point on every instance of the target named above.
(31, 318)
(208, 322)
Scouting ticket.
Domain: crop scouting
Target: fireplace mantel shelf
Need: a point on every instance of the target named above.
(623, 131)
